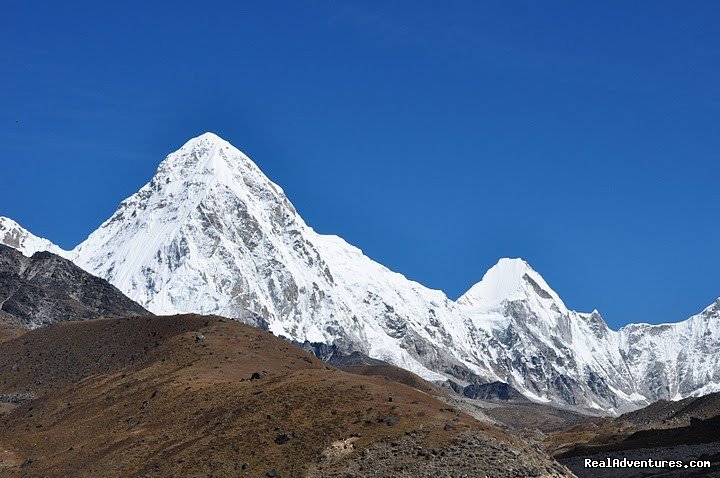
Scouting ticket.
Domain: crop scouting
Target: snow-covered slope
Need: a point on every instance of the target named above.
(210, 233)
(675, 360)
(14, 235)
(577, 359)
(554, 353)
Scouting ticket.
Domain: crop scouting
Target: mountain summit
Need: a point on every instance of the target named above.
(207, 211)
(509, 279)
(211, 234)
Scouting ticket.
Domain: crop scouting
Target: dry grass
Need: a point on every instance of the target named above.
(172, 396)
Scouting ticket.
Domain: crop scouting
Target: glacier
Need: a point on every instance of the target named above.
(211, 234)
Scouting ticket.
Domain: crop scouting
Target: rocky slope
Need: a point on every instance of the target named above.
(210, 233)
(666, 430)
(45, 288)
(205, 396)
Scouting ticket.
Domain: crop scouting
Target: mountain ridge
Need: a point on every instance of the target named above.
(210, 233)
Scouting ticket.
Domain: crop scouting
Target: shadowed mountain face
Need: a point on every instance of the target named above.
(45, 288)
(204, 396)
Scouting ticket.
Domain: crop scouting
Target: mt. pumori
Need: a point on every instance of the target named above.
(210, 233)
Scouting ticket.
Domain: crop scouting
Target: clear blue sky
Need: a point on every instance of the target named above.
(437, 136)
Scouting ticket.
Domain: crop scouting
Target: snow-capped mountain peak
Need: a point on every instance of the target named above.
(508, 280)
(210, 233)
(207, 190)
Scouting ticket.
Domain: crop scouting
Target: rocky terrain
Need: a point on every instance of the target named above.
(525, 418)
(205, 396)
(210, 233)
(666, 430)
(45, 288)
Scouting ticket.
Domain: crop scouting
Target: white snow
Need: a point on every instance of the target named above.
(712, 387)
(14, 235)
(506, 280)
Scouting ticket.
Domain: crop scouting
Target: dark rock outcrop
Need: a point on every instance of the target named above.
(45, 288)
(492, 391)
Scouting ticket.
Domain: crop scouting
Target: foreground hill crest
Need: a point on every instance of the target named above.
(210, 233)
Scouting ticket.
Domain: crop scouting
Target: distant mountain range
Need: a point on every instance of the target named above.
(211, 234)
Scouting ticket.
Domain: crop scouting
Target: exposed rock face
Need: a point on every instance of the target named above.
(210, 233)
(45, 288)
(492, 391)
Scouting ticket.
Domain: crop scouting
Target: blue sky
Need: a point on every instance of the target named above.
(436, 136)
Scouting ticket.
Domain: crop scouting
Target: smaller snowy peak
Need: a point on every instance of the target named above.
(14, 235)
(508, 280)
(708, 319)
(596, 323)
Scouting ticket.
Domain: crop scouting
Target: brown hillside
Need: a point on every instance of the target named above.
(395, 374)
(175, 396)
